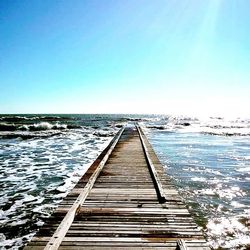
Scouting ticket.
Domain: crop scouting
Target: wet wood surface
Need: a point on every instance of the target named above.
(124, 208)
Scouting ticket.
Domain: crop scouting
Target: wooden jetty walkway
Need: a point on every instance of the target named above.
(124, 201)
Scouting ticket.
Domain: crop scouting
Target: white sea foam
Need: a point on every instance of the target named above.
(237, 204)
(244, 169)
(201, 179)
(221, 229)
(36, 174)
(46, 126)
(220, 191)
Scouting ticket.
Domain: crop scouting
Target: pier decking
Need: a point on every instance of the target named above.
(124, 201)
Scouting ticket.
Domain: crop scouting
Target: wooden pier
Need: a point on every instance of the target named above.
(124, 201)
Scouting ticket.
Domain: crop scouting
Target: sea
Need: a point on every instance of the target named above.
(43, 156)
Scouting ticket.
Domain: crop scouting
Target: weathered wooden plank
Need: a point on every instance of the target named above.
(95, 239)
(62, 229)
(121, 209)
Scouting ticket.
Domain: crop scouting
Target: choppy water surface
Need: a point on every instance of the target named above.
(42, 157)
(212, 173)
(210, 163)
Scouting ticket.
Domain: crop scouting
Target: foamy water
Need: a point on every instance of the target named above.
(35, 175)
(42, 157)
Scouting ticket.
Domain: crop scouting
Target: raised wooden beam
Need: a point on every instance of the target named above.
(181, 244)
(156, 180)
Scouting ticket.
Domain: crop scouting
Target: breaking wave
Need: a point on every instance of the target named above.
(41, 126)
(16, 118)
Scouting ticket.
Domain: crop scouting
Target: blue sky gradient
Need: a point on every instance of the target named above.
(180, 57)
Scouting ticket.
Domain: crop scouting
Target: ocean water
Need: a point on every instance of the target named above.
(43, 156)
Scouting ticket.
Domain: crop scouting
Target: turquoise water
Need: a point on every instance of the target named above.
(43, 156)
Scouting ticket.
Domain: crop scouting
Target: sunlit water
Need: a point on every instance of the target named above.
(212, 173)
(42, 157)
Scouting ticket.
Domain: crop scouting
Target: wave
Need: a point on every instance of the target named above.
(225, 133)
(43, 126)
(7, 127)
(159, 127)
(37, 127)
(16, 119)
(55, 118)
(26, 136)
(104, 133)
(119, 125)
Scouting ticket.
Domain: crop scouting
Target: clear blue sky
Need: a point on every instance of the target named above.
(126, 56)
